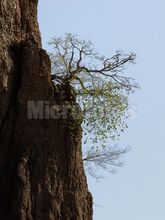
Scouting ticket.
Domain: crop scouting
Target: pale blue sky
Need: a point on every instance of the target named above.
(137, 191)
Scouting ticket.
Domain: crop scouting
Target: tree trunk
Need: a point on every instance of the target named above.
(41, 168)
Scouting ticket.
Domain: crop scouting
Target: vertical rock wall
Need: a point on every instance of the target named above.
(41, 169)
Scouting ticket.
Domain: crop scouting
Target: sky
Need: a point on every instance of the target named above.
(137, 191)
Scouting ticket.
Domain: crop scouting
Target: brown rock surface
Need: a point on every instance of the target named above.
(41, 169)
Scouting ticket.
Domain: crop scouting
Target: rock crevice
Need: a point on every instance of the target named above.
(41, 168)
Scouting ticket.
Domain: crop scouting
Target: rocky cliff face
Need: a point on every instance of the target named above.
(41, 169)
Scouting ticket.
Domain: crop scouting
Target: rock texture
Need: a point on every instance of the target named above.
(41, 169)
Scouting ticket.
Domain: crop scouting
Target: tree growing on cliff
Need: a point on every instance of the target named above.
(101, 88)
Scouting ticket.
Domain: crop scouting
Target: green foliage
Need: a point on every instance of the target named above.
(105, 113)
(99, 84)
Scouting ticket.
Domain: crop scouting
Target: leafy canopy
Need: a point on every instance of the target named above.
(100, 86)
